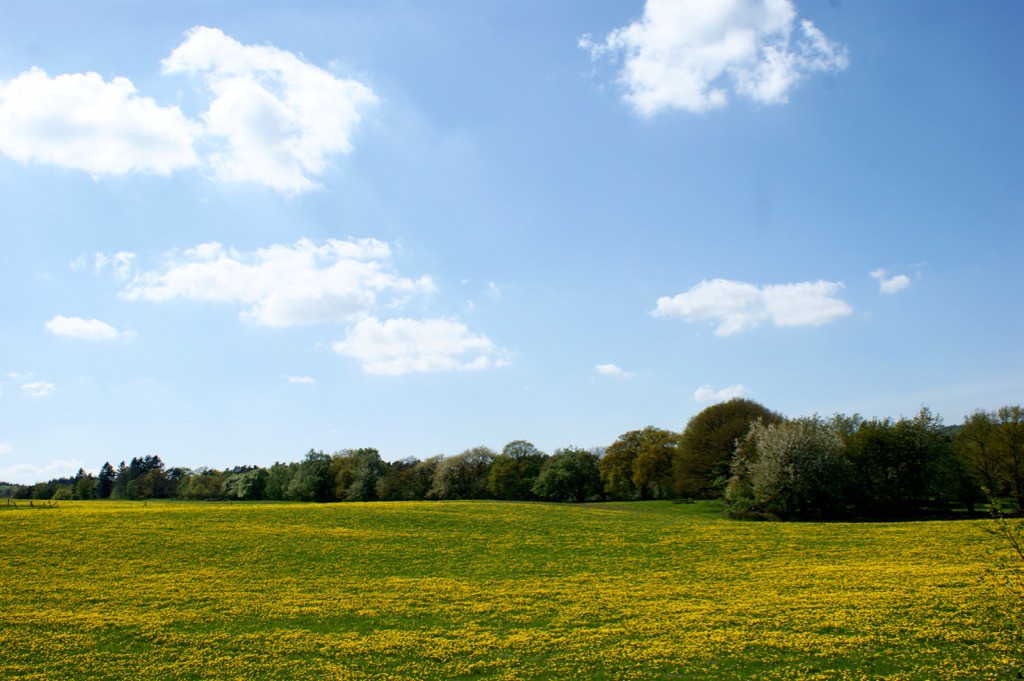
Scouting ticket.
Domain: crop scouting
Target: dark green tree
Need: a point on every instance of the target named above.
(514, 471)
(421, 477)
(616, 467)
(706, 446)
(396, 482)
(105, 481)
(84, 486)
(900, 467)
(571, 474)
(43, 490)
(638, 465)
(279, 476)
(975, 445)
(1009, 440)
(312, 480)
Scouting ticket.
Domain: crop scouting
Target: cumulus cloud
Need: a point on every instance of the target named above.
(37, 388)
(735, 306)
(706, 393)
(613, 371)
(282, 285)
(76, 327)
(272, 119)
(890, 285)
(27, 474)
(278, 117)
(689, 54)
(302, 380)
(5, 448)
(80, 121)
(402, 346)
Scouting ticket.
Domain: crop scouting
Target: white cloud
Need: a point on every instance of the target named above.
(27, 474)
(5, 448)
(493, 291)
(302, 380)
(76, 327)
(79, 121)
(890, 285)
(120, 263)
(273, 119)
(613, 371)
(402, 346)
(736, 306)
(706, 393)
(279, 118)
(37, 388)
(688, 54)
(79, 263)
(282, 285)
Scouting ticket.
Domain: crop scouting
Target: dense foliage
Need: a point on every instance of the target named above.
(881, 468)
(762, 464)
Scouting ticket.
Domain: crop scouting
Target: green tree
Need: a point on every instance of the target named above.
(420, 480)
(152, 484)
(312, 480)
(638, 465)
(143, 478)
(43, 490)
(84, 486)
(1009, 440)
(394, 484)
(463, 476)
(279, 476)
(121, 478)
(790, 469)
(248, 483)
(355, 473)
(203, 483)
(105, 481)
(652, 468)
(571, 474)
(514, 471)
(707, 444)
(975, 446)
(63, 493)
(902, 466)
(616, 467)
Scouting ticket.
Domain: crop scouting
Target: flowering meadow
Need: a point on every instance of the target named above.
(449, 590)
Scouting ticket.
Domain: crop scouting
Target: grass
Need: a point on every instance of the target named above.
(486, 589)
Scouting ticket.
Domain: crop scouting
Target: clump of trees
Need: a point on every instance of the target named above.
(762, 464)
(990, 445)
(638, 465)
(521, 472)
(878, 468)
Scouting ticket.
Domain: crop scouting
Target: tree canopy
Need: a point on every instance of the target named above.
(708, 442)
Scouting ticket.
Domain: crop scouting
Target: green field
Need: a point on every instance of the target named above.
(487, 589)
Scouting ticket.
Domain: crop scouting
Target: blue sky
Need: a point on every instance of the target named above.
(236, 231)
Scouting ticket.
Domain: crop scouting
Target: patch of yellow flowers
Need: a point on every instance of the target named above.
(501, 590)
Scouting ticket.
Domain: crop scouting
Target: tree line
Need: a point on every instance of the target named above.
(761, 464)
